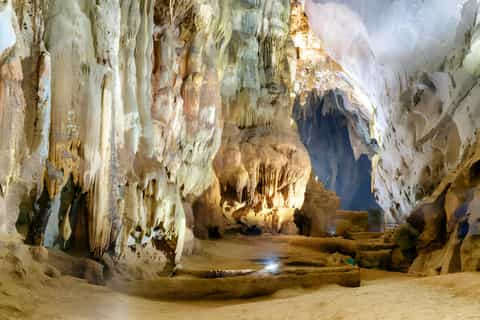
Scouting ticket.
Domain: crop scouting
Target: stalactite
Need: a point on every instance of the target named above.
(100, 221)
(124, 108)
(12, 115)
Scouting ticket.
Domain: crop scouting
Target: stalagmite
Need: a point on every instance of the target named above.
(105, 121)
(135, 124)
(232, 149)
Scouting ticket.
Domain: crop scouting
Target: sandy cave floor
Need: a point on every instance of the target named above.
(382, 295)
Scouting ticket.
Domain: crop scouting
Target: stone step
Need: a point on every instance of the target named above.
(374, 245)
(244, 286)
(374, 258)
(364, 235)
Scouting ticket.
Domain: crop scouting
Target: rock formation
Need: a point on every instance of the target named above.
(137, 123)
(419, 97)
(115, 110)
(262, 166)
(114, 113)
(418, 84)
(316, 218)
(446, 223)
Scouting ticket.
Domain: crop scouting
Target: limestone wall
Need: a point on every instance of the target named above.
(112, 112)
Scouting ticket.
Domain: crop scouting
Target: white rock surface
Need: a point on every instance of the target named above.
(8, 38)
(413, 66)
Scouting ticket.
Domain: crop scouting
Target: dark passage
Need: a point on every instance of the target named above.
(323, 128)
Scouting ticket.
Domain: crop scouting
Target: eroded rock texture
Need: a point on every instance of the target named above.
(115, 121)
(414, 69)
(332, 121)
(114, 112)
(263, 173)
(421, 98)
(447, 223)
(135, 123)
(95, 153)
(262, 166)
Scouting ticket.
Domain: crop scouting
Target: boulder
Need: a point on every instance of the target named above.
(405, 238)
(350, 222)
(39, 253)
(316, 218)
(381, 259)
(93, 272)
(430, 220)
(399, 261)
(470, 253)
(289, 228)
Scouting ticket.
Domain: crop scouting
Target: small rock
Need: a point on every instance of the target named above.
(39, 254)
(399, 261)
(94, 272)
(289, 228)
(108, 262)
(375, 259)
(20, 271)
(336, 259)
(52, 272)
(109, 266)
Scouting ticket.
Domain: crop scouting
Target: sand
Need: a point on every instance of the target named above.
(382, 295)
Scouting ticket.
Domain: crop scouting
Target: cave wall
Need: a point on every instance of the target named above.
(431, 127)
(134, 123)
(120, 99)
(115, 113)
(421, 98)
(262, 166)
(414, 68)
(445, 225)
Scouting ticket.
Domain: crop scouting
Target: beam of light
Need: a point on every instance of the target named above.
(332, 231)
(272, 267)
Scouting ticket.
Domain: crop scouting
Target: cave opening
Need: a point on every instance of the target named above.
(325, 127)
(231, 159)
